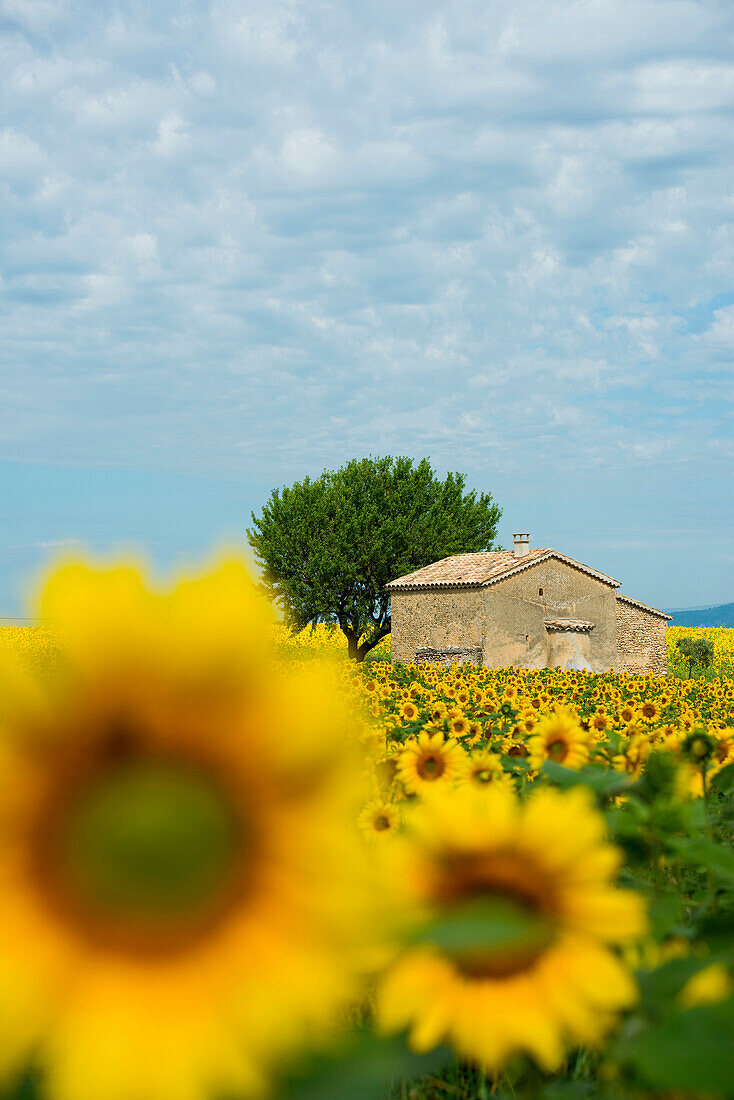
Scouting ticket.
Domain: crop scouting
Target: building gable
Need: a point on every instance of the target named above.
(551, 555)
(486, 568)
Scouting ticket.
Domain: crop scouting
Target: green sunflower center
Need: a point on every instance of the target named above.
(150, 845)
(498, 913)
(491, 936)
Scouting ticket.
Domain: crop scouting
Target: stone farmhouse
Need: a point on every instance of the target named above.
(528, 608)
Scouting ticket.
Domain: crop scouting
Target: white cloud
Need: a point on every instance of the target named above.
(683, 85)
(173, 137)
(35, 14)
(270, 32)
(203, 83)
(307, 151)
(42, 75)
(303, 231)
(606, 30)
(121, 107)
(102, 290)
(722, 329)
(19, 154)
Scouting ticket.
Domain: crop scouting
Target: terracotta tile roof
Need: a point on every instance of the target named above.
(485, 568)
(644, 606)
(568, 624)
(462, 570)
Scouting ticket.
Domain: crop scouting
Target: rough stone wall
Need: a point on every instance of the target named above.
(640, 641)
(435, 619)
(515, 610)
(460, 655)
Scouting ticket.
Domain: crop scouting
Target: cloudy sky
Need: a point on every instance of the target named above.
(248, 239)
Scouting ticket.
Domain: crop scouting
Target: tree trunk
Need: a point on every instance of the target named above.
(359, 652)
(353, 648)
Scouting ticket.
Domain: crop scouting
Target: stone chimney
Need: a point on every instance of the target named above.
(522, 545)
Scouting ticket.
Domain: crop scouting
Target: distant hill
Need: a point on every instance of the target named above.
(721, 615)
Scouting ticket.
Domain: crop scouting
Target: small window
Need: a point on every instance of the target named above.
(540, 591)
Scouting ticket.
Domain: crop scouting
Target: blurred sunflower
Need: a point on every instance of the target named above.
(379, 819)
(483, 769)
(724, 751)
(539, 874)
(633, 756)
(560, 738)
(429, 760)
(708, 986)
(175, 831)
(382, 768)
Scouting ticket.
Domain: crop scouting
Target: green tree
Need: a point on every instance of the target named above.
(697, 651)
(328, 547)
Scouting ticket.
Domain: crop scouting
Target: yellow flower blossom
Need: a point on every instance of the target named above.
(708, 986)
(545, 868)
(177, 829)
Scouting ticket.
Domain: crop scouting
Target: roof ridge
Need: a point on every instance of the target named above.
(548, 552)
(439, 574)
(645, 606)
(468, 569)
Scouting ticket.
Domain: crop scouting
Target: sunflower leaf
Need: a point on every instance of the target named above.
(365, 1067)
(665, 914)
(692, 1050)
(486, 927)
(724, 780)
(603, 782)
(664, 983)
(703, 853)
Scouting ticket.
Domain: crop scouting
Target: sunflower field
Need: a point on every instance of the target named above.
(237, 865)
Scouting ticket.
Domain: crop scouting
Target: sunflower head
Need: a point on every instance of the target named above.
(699, 746)
(379, 820)
(178, 826)
(429, 760)
(724, 751)
(521, 911)
(561, 738)
(484, 769)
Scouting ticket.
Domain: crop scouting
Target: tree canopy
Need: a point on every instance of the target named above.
(697, 651)
(327, 547)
